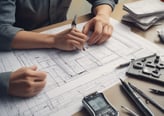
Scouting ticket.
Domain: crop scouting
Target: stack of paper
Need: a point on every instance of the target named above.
(144, 13)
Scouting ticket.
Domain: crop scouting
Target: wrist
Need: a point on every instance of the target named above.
(102, 15)
(104, 10)
(49, 41)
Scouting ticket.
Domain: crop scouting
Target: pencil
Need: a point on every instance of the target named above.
(130, 111)
(129, 90)
(157, 105)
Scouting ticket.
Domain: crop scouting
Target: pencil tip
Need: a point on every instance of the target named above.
(121, 80)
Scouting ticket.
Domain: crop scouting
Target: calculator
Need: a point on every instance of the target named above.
(149, 68)
(98, 105)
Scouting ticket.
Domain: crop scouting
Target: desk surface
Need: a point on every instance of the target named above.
(114, 94)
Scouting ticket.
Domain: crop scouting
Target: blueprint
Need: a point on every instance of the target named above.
(73, 75)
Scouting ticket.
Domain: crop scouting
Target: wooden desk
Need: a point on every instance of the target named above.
(114, 94)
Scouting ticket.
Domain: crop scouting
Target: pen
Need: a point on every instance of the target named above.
(142, 107)
(74, 21)
(132, 113)
(128, 63)
(73, 25)
(159, 92)
(157, 105)
(123, 65)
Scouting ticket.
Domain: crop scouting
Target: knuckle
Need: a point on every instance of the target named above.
(96, 19)
(29, 84)
(73, 30)
(68, 36)
(96, 32)
(26, 78)
(78, 43)
(84, 37)
(26, 71)
(107, 34)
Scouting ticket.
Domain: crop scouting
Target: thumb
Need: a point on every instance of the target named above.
(34, 67)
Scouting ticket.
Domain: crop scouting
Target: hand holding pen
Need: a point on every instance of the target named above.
(73, 25)
(70, 39)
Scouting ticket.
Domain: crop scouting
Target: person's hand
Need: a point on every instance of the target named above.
(102, 30)
(26, 82)
(70, 39)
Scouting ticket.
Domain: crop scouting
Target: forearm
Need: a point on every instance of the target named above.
(31, 40)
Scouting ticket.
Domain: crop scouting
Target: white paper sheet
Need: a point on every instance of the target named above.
(150, 7)
(73, 75)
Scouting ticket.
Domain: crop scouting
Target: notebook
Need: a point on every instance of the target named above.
(144, 7)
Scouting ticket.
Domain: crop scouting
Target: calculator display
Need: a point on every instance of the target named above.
(97, 103)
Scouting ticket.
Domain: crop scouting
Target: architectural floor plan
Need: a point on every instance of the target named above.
(73, 75)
